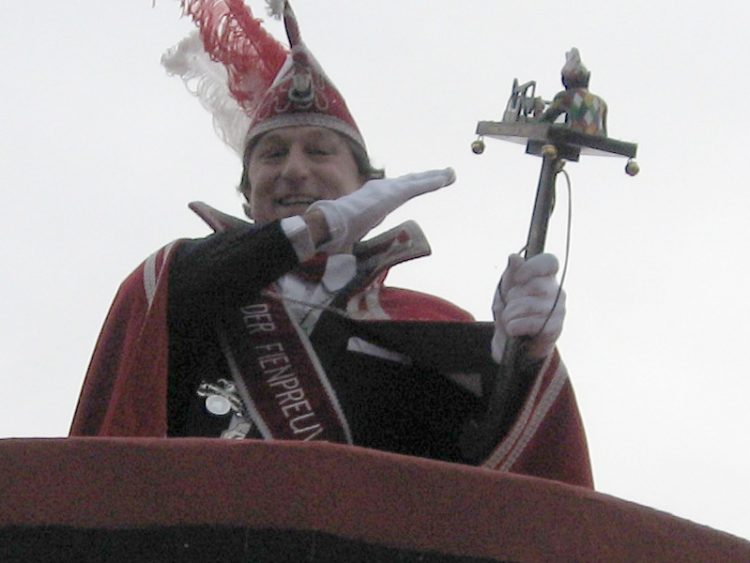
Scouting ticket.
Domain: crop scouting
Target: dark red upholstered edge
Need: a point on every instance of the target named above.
(353, 493)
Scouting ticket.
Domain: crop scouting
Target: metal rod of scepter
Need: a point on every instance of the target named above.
(479, 437)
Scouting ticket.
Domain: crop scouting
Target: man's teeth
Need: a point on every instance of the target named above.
(296, 201)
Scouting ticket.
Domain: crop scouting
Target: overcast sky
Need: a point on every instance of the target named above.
(100, 153)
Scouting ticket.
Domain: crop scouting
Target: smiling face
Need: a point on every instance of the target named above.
(292, 167)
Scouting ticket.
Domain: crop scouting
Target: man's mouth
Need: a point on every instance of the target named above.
(296, 200)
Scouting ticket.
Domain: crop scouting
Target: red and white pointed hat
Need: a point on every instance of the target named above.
(249, 81)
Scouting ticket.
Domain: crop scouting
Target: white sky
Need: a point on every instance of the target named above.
(100, 152)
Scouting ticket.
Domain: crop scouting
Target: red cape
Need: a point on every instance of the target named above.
(125, 390)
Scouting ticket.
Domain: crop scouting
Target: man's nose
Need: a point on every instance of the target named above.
(295, 166)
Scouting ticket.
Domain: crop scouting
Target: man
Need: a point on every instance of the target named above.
(284, 329)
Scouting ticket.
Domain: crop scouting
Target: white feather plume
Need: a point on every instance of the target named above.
(275, 8)
(207, 80)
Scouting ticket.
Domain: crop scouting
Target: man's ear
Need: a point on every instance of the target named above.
(245, 192)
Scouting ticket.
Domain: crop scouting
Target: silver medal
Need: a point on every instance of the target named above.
(218, 405)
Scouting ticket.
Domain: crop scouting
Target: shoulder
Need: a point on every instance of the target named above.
(144, 280)
(407, 304)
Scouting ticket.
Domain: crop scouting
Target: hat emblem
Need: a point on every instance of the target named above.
(302, 91)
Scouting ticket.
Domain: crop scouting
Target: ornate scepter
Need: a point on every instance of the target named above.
(530, 120)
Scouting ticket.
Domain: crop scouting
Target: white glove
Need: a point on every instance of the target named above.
(352, 216)
(523, 302)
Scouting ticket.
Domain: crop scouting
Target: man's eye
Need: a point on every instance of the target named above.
(271, 153)
(319, 150)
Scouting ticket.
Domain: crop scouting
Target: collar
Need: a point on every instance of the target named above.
(377, 255)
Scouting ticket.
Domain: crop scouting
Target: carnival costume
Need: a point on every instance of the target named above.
(248, 334)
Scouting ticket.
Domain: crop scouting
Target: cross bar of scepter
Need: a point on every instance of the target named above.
(554, 143)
